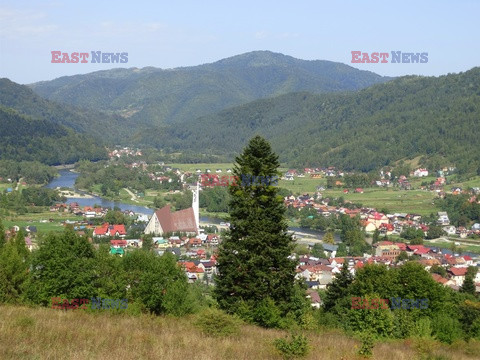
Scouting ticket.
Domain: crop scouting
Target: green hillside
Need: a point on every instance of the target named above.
(436, 118)
(155, 96)
(26, 102)
(25, 139)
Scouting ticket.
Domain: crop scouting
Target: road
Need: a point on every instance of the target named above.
(133, 196)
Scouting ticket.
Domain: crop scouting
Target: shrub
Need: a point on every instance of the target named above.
(367, 344)
(267, 314)
(215, 322)
(446, 329)
(296, 346)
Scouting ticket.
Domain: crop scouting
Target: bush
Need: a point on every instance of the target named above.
(446, 329)
(296, 346)
(215, 322)
(267, 314)
(367, 344)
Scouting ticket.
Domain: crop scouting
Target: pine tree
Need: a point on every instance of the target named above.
(19, 242)
(13, 273)
(376, 236)
(147, 242)
(3, 237)
(253, 259)
(468, 285)
(318, 251)
(338, 288)
(342, 250)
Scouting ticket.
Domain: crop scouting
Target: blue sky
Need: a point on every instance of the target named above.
(167, 34)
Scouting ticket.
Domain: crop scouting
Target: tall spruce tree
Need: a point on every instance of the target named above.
(469, 284)
(338, 288)
(3, 237)
(253, 259)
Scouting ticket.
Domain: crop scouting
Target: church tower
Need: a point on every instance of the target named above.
(196, 205)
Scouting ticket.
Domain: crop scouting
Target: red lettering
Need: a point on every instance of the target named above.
(84, 56)
(384, 57)
(74, 57)
(365, 58)
(374, 304)
(224, 180)
(374, 58)
(83, 302)
(234, 179)
(356, 56)
(355, 304)
(384, 303)
(74, 304)
(55, 56)
(65, 58)
(55, 302)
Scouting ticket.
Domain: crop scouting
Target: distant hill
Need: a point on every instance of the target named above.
(26, 102)
(438, 118)
(155, 96)
(25, 139)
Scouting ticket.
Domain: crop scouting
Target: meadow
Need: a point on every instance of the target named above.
(43, 333)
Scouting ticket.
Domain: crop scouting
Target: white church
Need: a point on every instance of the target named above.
(187, 220)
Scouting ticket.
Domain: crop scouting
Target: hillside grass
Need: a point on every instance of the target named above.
(38, 220)
(42, 333)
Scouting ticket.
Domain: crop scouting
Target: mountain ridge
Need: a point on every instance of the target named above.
(163, 96)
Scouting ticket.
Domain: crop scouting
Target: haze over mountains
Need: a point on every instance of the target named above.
(155, 96)
(438, 118)
(313, 112)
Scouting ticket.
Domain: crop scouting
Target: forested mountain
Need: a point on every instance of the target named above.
(25, 101)
(25, 139)
(155, 96)
(438, 117)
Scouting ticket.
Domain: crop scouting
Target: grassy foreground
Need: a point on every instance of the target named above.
(42, 333)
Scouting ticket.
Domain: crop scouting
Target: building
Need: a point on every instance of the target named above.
(164, 221)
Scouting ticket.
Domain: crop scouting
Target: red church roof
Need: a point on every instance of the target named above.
(182, 220)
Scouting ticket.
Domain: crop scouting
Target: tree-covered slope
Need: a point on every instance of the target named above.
(25, 139)
(155, 96)
(25, 101)
(438, 117)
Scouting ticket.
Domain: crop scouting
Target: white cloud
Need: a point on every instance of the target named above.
(260, 35)
(18, 23)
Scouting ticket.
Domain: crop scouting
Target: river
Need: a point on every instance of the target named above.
(67, 180)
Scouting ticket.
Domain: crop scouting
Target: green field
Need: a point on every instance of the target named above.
(302, 185)
(409, 201)
(38, 220)
(459, 248)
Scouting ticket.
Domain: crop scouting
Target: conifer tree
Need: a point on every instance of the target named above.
(468, 285)
(253, 259)
(13, 273)
(338, 288)
(3, 237)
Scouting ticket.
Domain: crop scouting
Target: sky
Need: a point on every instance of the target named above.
(187, 33)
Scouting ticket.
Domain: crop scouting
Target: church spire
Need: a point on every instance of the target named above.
(196, 205)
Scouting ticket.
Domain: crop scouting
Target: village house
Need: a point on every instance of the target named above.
(106, 230)
(377, 219)
(457, 274)
(387, 249)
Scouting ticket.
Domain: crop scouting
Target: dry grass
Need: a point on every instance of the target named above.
(41, 333)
